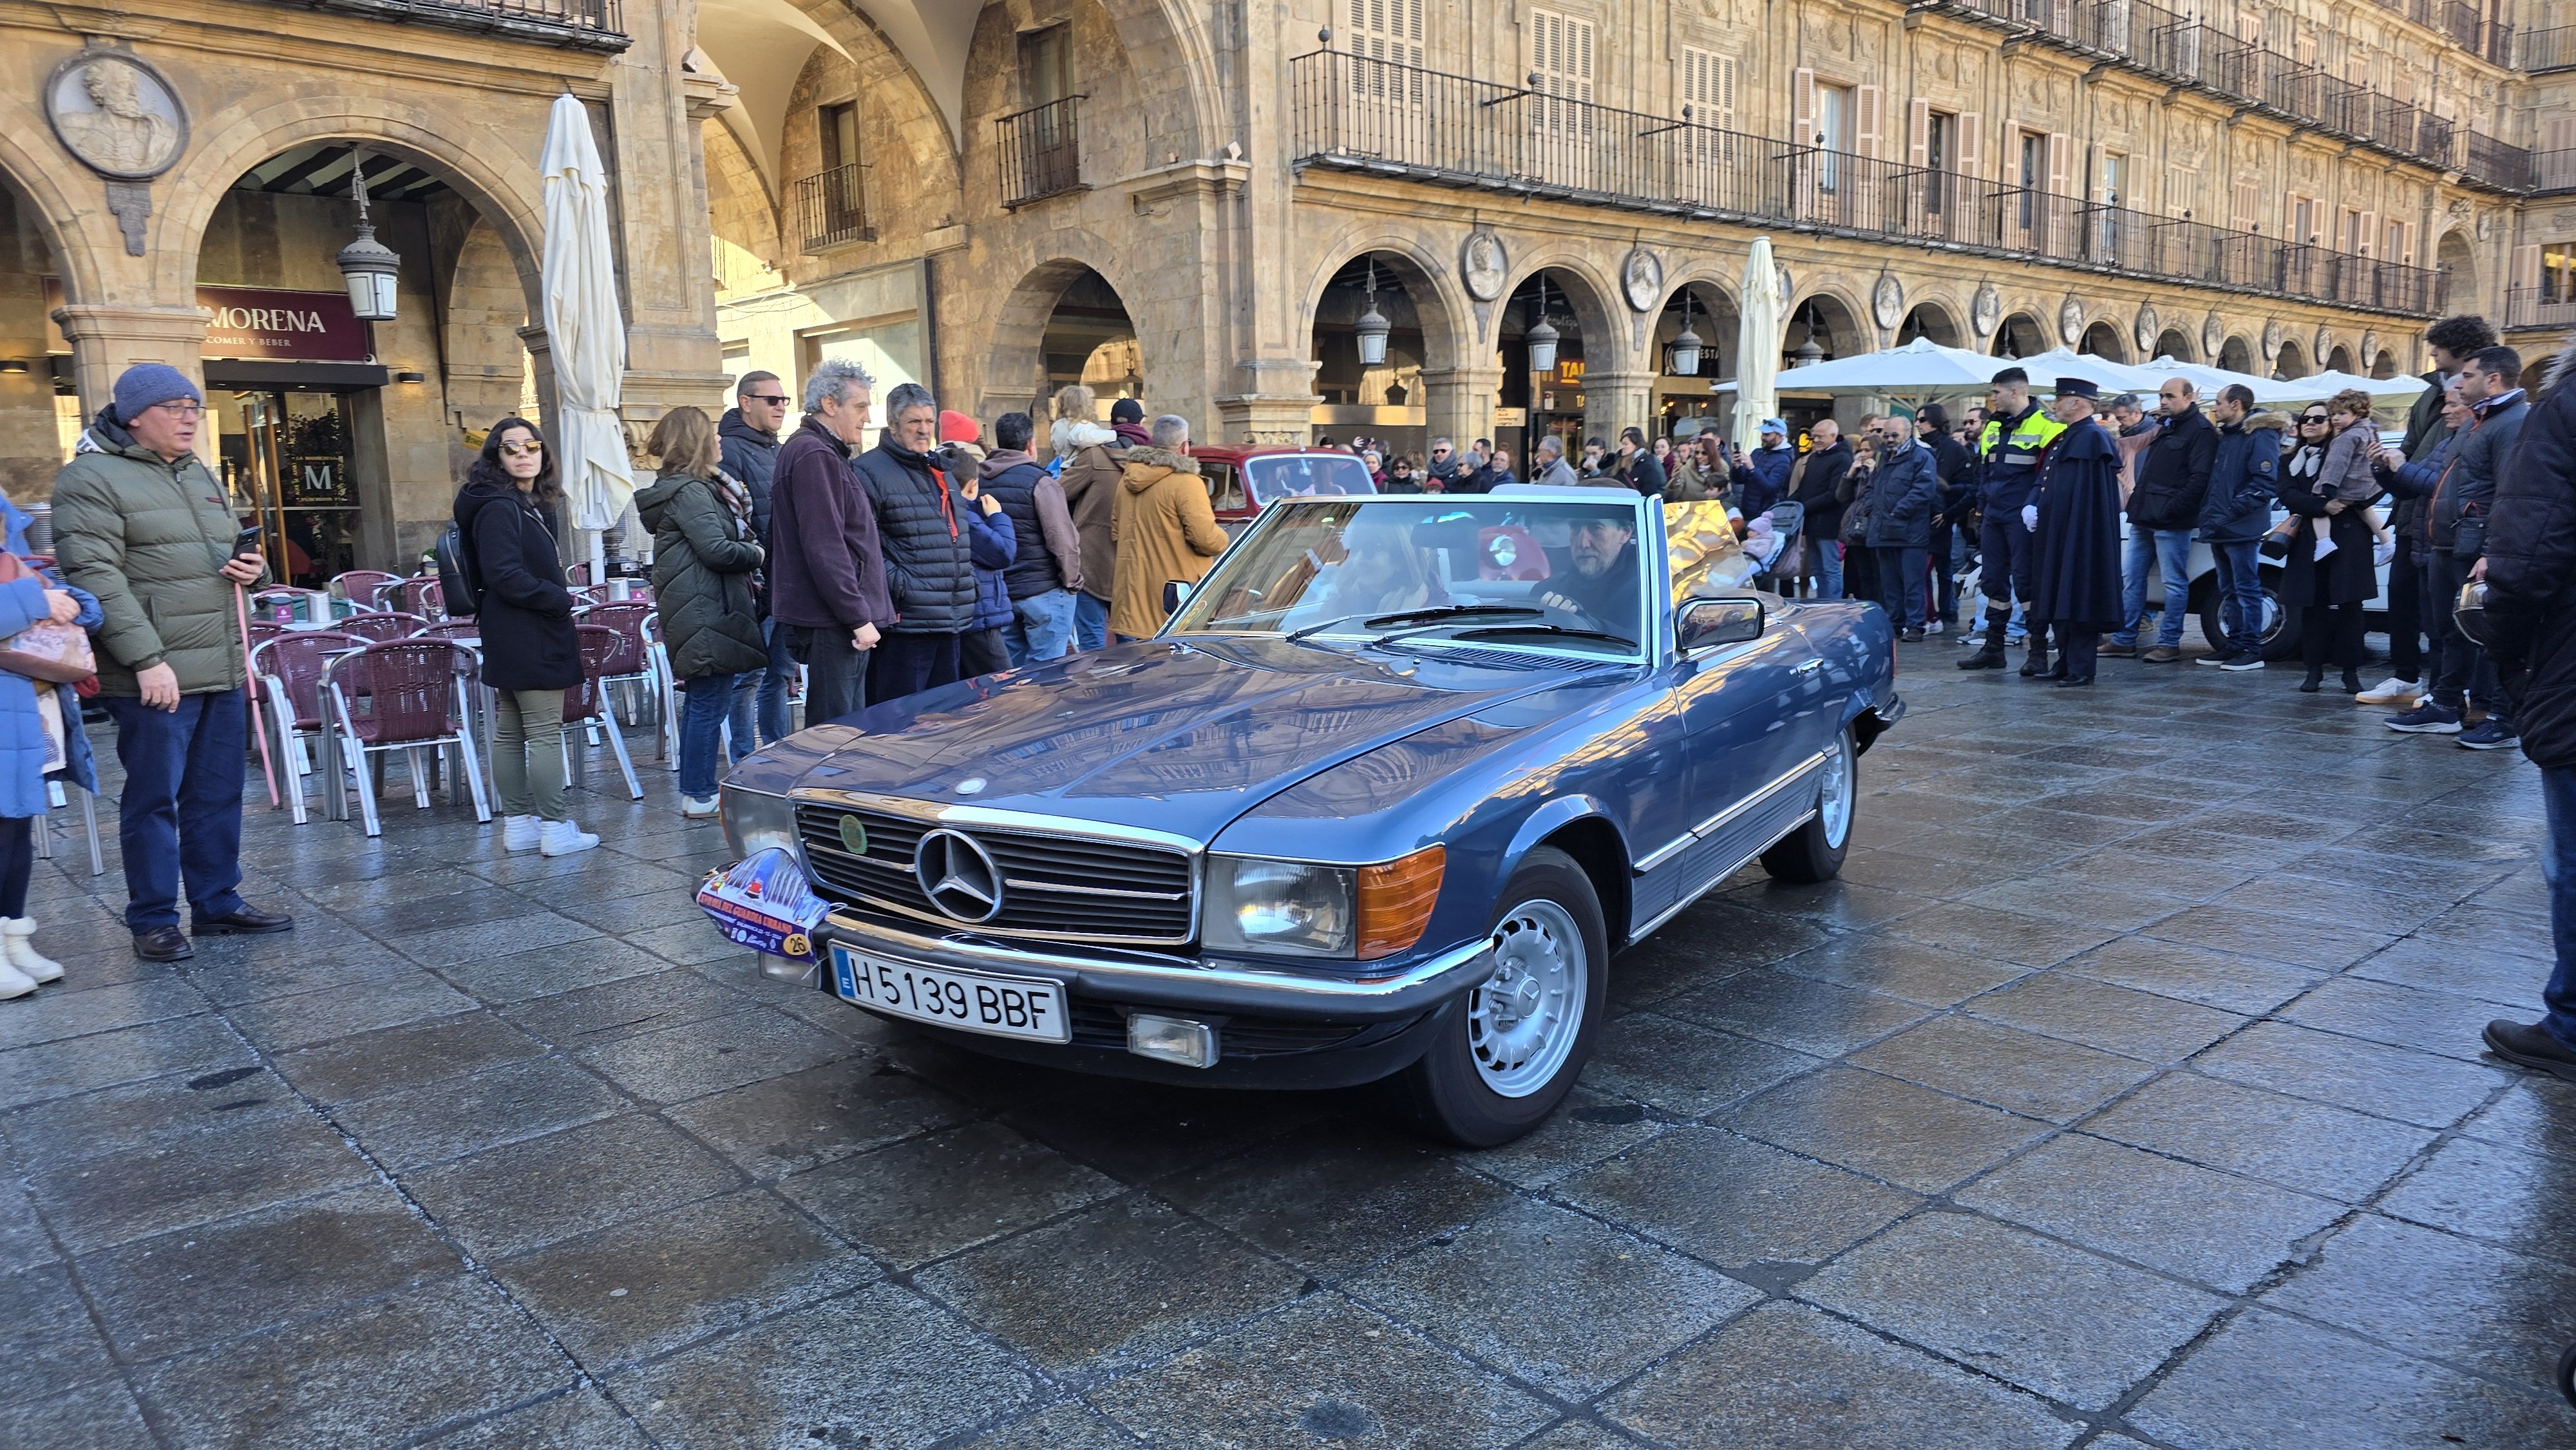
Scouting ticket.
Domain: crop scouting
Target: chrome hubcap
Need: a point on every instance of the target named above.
(1522, 1021)
(1834, 804)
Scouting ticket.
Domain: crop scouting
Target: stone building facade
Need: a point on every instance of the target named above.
(178, 184)
(1196, 201)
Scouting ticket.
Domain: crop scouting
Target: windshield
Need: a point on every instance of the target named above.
(1306, 475)
(1482, 572)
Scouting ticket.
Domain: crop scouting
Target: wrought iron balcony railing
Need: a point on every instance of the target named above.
(2539, 307)
(2172, 44)
(2553, 171)
(1042, 152)
(580, 24)
(2543, 50)
(1355, 113)
(831, 208)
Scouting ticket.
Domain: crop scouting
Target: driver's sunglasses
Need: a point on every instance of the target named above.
(528, 449)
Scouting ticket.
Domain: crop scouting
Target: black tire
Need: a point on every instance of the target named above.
(2281, 642)
(1815, 851)
(2212, 609)
(2567, 1374)
(1450, 1096)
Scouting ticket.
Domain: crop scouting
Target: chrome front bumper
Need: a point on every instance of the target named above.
(1206, 986)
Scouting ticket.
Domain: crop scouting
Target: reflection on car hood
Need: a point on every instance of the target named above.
(1174, 736)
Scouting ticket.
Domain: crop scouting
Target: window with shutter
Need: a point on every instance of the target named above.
(2303, 220)
(1868, 135)
(1387, 34)
(1972, 144)
(2525, 271)
(1802, 107)
(2182, 186)
(2556, 266)
(2556, 163)
(1918, 133)
(1708, 89)
(1561, 113)
(2392, 246)
(2246, 214)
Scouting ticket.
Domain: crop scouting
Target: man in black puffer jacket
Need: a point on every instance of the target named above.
(2530, 572)
(929, 554)
(2173, 480)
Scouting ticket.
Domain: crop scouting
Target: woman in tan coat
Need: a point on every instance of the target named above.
(1163, 527)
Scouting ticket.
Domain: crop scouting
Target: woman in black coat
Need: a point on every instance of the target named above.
(505, 516)
(2330, 592)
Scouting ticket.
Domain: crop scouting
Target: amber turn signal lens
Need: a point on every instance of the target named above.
(1396, 901)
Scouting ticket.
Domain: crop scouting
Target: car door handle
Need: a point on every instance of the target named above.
(1808, 667)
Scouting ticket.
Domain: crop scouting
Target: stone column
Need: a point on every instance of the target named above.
(1458, 403)
(107, 339)
(1279, 407)
(1615, 400)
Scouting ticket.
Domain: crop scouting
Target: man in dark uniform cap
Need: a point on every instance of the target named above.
(2074, 519)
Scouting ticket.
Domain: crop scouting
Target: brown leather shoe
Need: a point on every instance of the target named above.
(2117, 652)
(2163, 654)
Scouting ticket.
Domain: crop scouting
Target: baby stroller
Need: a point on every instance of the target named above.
(1788, 521)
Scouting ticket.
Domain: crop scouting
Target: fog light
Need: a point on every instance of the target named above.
(1172, 1039)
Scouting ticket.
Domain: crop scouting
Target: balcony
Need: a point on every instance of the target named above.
(2553, 171)
(2547, 50)
(2176, 46)
(573, 24)
(2538, 307)
(1372, 116)
(1041, 152)
(831, 208)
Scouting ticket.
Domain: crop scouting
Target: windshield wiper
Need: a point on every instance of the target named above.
(1416, 616)
(1565, 630)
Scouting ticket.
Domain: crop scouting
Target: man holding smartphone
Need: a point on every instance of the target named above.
(141, 523)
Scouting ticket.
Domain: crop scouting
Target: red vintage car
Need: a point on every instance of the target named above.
(1243, 481)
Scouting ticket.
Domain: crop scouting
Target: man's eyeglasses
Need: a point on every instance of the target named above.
(528, 449)
(775, 400)
(182, 408)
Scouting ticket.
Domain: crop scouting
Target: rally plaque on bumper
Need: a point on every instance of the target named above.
(1025, 1007)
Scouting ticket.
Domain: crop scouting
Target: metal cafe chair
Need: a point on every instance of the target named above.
(360, 586)
(420, 595)
(633, 666)
(602, 648)
(381, 626)
(406, 695)
(59, 793)
(459, 629)
(289, 669)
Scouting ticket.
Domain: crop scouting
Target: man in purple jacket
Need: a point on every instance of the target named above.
(827, 579)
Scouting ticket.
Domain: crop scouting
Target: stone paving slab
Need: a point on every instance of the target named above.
(2113, 1099)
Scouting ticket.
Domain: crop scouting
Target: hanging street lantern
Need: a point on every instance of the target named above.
(1686, 343)
(1541, 338)
(370, 266)
(1373, 326)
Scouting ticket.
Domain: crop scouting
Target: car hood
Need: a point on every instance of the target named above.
(1161, 734)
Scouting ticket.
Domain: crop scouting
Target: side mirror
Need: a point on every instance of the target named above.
(1175, 592)
(1706, 623)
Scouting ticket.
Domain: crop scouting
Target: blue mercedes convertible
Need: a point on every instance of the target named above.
(1384, 798)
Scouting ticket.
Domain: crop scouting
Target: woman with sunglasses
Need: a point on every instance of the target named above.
(2330, 573)
(505, 515)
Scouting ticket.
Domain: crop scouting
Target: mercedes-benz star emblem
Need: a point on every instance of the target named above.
(959, 875)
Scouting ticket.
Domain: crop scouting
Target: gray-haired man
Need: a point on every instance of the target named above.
(827, 576)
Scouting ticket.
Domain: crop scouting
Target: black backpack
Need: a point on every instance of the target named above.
(457, 586)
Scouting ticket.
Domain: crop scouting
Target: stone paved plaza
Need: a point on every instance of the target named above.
(2126, 1092)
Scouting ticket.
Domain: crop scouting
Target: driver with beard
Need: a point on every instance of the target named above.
(1603, 586)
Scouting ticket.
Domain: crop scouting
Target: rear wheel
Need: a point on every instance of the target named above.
(1815, 851)
(1506, 1053)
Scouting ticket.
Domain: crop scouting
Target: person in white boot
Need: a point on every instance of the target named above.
(505, 518)
(40, 731)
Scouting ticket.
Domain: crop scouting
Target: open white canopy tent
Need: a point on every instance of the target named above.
(2326, 384)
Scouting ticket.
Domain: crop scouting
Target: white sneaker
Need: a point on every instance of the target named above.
(1934, 627)
(518, 833)
(15, 940)
(2391, 691)
(562, 838)
(14, 983)
(697, 808)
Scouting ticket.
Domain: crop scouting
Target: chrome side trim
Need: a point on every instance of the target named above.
(1715, 823)
(869, 936)
(1712, 883)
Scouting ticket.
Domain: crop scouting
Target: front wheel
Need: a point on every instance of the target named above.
(1506, 1053)
(1814, 852)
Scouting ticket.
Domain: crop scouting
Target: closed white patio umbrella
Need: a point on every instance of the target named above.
(585, 331)
(1757, 345)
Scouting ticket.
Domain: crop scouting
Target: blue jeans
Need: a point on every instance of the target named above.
(1041, 627)
(2240, 594)
(2146, 546)
(1829, 569)
(182, 807)
(775, 684)
(2558, 864)
(712, 703)
(1901, 580)
(1090, 622)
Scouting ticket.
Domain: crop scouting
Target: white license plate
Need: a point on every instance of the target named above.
(1027, 1007)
